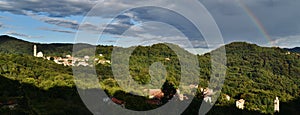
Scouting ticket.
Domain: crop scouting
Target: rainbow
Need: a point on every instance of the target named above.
(256, 21)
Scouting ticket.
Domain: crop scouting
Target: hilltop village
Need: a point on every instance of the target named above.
(68, 60)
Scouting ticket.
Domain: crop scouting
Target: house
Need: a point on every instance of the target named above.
(227, 97)
(82, 64)
(40, 54)
(201, 89)
(240, 103)
(154, 102)
(180, 96)
(68, 56)
(207, 94)
(104, 62)
(11, 104)
(155, 93)
(86, 58)
(298, 55)
(117, 101)
(167, 59)
(183, 97)
(48, 58)
(276, 105)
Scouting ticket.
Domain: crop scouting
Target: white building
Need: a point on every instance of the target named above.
(240, 103)
(34, 50)
(207, 93)
(276, 105)
(82, 64)
(167, 59)
(155, 93)
(86, 58)
(180, 96)
(68, 56)
(227, 97)
(201, 89)
(40, 54)
(104, 62)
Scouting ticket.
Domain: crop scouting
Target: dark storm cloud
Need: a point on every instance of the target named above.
(142, 15)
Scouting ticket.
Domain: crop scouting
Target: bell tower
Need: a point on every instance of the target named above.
(34, 50)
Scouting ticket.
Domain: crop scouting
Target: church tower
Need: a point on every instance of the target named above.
(276, 105)
(34, 50)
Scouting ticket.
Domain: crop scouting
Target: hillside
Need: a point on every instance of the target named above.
(256, 74)
(32, 85)
(13, 45)
(295, 50)
(259, 74)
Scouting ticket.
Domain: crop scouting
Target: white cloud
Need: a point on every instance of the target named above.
(287, 42)
(21, 35)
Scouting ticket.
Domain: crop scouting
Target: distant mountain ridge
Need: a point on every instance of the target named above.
(12, 45)
(5, 38)
(295, 50)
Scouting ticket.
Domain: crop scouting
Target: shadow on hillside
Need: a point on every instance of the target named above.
(16, 98)
(194, 107)
(291, 107)
(286, 108)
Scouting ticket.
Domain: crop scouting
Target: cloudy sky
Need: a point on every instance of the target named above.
(264, 22)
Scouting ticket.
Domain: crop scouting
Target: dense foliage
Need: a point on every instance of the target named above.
(259, 74)
(37, 86)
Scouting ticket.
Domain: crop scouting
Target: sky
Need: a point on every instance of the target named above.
(263, 22)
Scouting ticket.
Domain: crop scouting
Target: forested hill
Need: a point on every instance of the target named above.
(30, 86)
(11, 45)
(277, 61)
(259, 74)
